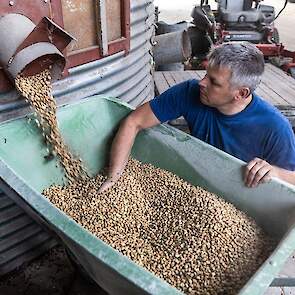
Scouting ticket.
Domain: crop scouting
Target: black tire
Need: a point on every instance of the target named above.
(199, 41)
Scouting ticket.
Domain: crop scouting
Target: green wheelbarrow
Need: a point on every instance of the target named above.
(88, 128)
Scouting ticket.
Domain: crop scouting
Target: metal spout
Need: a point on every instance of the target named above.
(32, 48)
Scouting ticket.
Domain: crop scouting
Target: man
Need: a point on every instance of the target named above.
(223, 111)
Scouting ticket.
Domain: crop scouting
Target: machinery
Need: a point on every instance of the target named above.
(238, 20)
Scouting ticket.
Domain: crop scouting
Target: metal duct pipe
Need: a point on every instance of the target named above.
(172, 47)
(164, 28)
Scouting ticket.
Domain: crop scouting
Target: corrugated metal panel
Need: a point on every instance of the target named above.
(127, 77)
(21, 238)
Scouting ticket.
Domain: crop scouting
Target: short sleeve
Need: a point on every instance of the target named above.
(172, 103)
(281, 148)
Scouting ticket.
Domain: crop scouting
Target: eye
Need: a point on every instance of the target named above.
(212, 81)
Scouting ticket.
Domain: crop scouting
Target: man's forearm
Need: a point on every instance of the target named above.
(286, 175)
(143, 117)
(121, 147)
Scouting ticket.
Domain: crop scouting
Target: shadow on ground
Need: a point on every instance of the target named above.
(51, 274)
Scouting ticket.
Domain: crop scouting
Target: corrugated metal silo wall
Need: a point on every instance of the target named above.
(127, 77)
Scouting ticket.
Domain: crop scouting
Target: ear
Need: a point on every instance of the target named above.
(242, 93)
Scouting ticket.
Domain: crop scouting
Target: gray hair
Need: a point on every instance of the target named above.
(243, 59)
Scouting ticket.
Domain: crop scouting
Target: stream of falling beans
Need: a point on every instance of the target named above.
(37, 90)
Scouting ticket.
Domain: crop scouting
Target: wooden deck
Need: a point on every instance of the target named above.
(276, 86)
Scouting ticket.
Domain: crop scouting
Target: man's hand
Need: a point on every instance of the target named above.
(259, 171)
(111, 180)
(141, 118)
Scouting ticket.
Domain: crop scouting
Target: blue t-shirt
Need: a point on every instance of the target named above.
(260, 130)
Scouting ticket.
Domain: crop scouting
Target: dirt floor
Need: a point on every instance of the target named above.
(51, 274)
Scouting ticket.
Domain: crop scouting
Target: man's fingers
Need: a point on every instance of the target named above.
(266, 178)
(251, 170)
(261, 174)
(252, 174)
(256, 170)
(249, 167)
(259, 171)
(106, 185)
(111, 180)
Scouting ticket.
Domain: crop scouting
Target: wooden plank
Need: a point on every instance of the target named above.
(280, 74)
(191, 75)
(80, 21)
(280, 83)
(267, 94)
(272, 87)
(161, 84)
(180, 76)
(194, 74)
(277, 81)
(278, 89)
(169, 78)
(101, 12)
(113, 19)
(199, 75)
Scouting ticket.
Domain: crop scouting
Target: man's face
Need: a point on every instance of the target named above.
(215, 90)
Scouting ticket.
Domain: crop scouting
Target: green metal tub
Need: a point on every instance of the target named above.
(88, 127)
